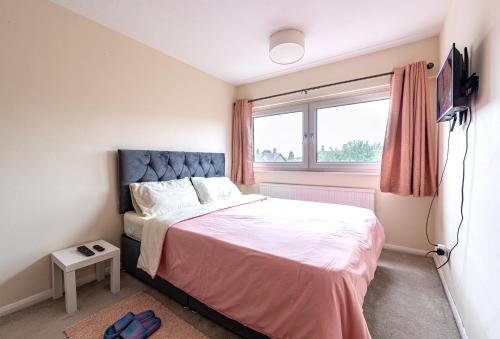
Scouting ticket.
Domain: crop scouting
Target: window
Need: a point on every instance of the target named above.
(278, 138)
(351, 133)
(339, 135)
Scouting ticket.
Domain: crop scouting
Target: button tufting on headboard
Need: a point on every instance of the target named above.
(139, 166)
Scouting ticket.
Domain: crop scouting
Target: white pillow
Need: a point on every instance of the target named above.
(151, 199)
(214, 189)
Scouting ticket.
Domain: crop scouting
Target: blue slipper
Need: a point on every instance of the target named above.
(141, 329)
(114, 330)
(144, 315)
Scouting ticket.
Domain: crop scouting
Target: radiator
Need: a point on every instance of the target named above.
(337, 195)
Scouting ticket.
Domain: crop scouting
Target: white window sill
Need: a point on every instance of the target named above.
(316, 171)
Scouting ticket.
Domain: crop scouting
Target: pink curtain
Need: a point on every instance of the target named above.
(408, 160)
(242, 159)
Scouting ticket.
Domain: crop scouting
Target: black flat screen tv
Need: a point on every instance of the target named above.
(450, 79)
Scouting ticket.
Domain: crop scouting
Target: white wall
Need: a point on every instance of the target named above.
(474, 273)
(403, 217)
(71, 93)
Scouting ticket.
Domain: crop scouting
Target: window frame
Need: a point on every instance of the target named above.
(284, 166)
(309, 136)
(356, 167)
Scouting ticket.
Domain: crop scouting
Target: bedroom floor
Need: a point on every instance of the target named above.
(405, 300)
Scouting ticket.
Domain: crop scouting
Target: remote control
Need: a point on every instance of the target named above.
(98, 248)
(85, 251)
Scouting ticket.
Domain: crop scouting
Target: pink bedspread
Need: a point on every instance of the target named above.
(288, 269)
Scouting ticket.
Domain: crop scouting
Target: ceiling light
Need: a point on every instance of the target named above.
(286, 46)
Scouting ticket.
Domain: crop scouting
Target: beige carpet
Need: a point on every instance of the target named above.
(172, 326)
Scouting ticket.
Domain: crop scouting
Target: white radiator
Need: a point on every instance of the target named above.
(337, 195)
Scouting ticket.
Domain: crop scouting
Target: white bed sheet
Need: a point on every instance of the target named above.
(133, 224)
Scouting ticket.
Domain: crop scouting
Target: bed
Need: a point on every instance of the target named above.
(259, 267)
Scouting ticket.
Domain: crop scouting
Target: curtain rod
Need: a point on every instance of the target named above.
(430, 65)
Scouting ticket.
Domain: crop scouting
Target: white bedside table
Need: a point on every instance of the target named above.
(67, 261)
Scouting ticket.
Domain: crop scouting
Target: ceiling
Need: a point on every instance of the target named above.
(229, 38)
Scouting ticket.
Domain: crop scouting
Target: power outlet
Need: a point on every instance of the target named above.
(441, 250)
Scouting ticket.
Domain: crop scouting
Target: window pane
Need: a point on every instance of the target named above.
(351, 133)
(278, 138)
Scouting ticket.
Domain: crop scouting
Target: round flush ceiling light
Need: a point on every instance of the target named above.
(286, 46)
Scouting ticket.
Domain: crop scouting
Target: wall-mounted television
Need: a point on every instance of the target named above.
(451, 78)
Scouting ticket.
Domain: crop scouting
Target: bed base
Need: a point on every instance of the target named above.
(130, 253)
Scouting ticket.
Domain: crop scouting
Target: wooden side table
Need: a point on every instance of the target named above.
(66, 262)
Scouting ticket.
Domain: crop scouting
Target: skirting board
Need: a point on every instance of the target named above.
(44, 295)
(453, 306)
(26, 302)
(404, 249)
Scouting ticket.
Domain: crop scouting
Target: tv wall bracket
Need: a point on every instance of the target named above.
(468, 87)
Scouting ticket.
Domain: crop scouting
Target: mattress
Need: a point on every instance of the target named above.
(133, 224)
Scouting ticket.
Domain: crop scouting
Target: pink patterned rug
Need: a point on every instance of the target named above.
(171, 325)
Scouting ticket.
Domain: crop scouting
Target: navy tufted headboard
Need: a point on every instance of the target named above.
(139, 166)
